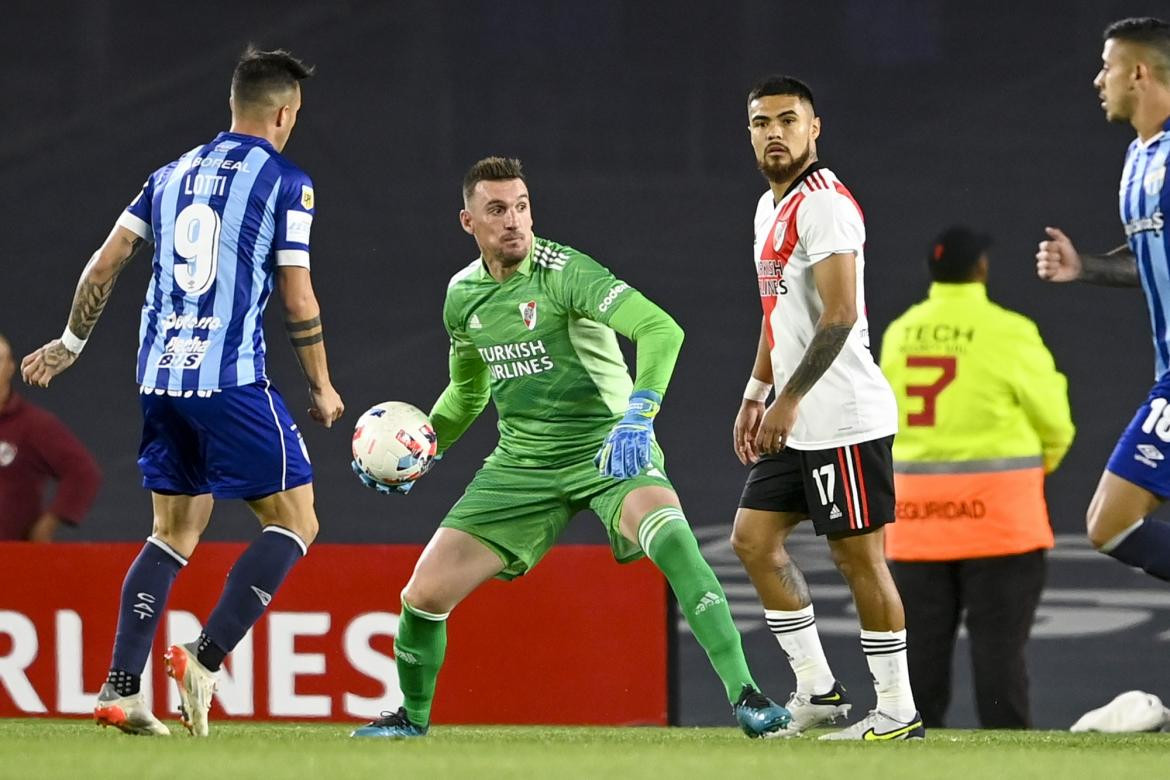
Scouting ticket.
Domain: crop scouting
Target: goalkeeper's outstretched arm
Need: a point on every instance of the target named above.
(626, 451)
(657, 336)
(463, 399)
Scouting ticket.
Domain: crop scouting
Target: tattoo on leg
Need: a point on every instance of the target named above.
(792, 580)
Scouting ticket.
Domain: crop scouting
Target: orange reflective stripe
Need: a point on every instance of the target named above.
(945, 517)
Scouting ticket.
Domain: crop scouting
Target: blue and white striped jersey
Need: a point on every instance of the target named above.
(1145, 199)
(222, 218)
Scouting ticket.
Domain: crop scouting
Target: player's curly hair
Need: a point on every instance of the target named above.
(1147, 31)
(260, 75)
(492, 169)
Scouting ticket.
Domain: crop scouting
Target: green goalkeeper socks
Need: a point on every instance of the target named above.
(419, 649)
(667, 539)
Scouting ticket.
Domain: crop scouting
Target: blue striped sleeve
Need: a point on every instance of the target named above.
(136, 217)
(295, 208)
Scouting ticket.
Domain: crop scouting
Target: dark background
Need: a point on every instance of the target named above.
(630, 118)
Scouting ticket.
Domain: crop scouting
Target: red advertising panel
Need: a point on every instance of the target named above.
(578, 629)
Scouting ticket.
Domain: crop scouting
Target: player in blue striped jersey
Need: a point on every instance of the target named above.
(230, 221)
(1134, 86)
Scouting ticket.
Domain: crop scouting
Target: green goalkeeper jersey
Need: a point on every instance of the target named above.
(543, 342)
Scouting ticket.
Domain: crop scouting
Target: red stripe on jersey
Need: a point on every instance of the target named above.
(843, 478)
(769, 304)
(861, 486)
(770, 266)
(822, 183)
(841, 189)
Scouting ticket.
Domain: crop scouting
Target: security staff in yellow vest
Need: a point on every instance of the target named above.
(984, 416)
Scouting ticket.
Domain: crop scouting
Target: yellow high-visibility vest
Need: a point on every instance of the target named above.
(984, 415)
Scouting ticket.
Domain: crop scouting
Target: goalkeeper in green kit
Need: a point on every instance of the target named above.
(533, 324)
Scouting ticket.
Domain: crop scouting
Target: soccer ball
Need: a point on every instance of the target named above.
(394, 443)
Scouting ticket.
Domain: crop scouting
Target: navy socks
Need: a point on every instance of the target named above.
(252, 583)
(144, 597)
(1144, 545)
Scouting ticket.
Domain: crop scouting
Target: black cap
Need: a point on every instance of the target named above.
(955, 253)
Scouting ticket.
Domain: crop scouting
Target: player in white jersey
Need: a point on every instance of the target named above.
(821, 451)
(852, 401)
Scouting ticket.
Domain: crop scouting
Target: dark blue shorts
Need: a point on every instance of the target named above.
(1142, 454)
(239, 442)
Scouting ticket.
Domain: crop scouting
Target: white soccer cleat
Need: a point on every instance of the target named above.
(880, 727)
(196, 687)
(812, 710)
(127, 713)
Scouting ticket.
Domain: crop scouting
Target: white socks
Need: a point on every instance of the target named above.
(885, 652)
(797, 634)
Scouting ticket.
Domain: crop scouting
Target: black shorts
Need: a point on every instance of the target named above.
(844, 490)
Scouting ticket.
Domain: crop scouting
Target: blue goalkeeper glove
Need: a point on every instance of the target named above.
(626, 451)
(380, 487)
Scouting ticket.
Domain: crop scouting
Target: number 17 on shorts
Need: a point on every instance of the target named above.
(850, 488)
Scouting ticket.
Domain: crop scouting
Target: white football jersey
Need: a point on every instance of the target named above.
(852, 402)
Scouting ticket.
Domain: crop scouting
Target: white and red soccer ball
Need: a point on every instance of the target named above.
(394, 443)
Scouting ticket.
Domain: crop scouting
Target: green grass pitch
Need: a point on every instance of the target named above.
(31, 748)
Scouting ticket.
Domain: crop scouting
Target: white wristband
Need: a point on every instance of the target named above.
(757, 390)
(71, 342)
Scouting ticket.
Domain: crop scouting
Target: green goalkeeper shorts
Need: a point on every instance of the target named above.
(519, 512)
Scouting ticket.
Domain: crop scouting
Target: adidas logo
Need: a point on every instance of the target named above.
(550, 258)
(474, 322)
(406, 657)
(709, 600)
(834, 513)
(262, 595)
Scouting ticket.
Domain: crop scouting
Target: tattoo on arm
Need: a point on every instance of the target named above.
(307, 341)
(822, 351)
(297, 327)
(793, 582)
(1115, 269)
(305, 333)
(91, 297)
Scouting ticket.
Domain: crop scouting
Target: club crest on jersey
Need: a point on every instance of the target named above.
(7, 453)
(306, 197)
(528, 312)
(1154, 180)
(778, 234)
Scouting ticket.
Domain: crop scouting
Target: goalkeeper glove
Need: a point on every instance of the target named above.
(381, 487)
(626, 451)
